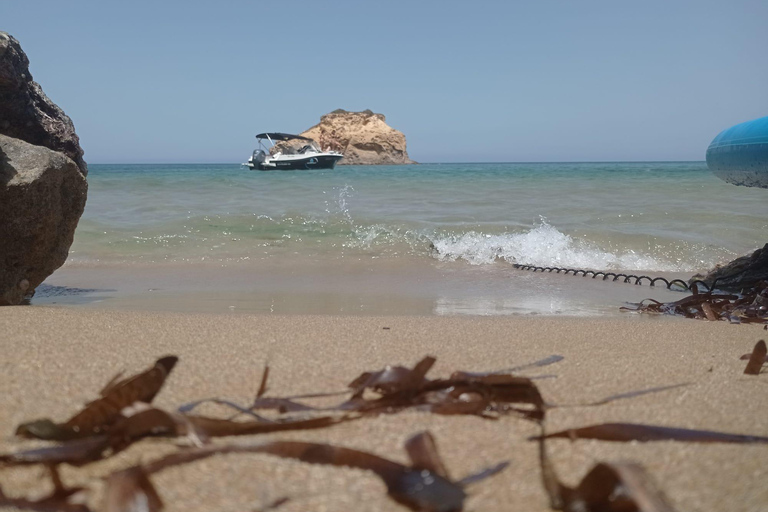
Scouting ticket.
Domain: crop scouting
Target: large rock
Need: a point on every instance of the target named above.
(742, 273)
(42, 179)
(363, 137)
(42, 195)
(26, 113)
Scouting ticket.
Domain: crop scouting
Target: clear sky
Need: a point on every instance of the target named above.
(470, 81)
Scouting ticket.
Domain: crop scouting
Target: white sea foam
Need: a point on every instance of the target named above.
(543, 246)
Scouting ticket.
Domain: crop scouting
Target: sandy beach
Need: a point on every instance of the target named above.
(56, 359)
(192, 200)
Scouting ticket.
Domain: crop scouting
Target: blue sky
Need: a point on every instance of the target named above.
(183, 81)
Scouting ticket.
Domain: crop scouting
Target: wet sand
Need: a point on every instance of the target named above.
(55, 359)
(346, 286)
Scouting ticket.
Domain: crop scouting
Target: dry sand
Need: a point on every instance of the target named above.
(55, 359)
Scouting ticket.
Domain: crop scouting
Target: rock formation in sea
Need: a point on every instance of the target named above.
(42, 179)
(363, 137)
(741, 273)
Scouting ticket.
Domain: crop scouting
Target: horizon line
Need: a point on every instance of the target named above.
(431, 163)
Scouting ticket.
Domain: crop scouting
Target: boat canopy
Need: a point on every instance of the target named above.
(280, 136)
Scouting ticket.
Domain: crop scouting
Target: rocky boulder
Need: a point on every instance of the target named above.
(363, 137)
(42, 195)
(742, 273)
(42, 179)
(26, 113)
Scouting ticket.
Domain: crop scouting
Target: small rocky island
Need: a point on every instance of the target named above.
(363, 137)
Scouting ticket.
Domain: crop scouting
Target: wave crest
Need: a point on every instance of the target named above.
(543, 246)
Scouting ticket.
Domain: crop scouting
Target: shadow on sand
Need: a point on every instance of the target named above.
(49, 294)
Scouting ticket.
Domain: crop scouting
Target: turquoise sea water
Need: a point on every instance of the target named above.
(421, 239)
(670, 217)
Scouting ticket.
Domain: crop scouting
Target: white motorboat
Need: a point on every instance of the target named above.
(287, 158)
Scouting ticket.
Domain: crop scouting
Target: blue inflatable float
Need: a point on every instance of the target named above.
(739, 155)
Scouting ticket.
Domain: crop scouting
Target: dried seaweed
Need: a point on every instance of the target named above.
(76, 453)
(756, 359)
(189, 407)
(393, 379)
(130, 490)
(623, 432)
(98, 416)
(416, 486)
(622, 396)
(274, 504)
(751, 306)
(156, 422)
(53, 503)
(62, 499)
(608, 487)
(395, 388)
(422, 451)
(483, 394)
(215, 427)
(122, 415)
(263, 385)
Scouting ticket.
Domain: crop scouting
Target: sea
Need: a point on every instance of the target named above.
(426, 239)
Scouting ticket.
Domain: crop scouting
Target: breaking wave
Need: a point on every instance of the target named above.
(545, 246)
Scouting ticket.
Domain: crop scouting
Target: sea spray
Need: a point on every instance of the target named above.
(542, 245)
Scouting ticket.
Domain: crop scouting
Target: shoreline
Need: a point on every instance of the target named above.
(58, 358)
(402, 286)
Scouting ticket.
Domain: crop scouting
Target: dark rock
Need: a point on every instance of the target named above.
(42, 179)
(42, 195)
(26, 113)
(742, 273)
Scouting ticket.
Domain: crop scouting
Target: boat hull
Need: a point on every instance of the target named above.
(297, 164)
(739, 155)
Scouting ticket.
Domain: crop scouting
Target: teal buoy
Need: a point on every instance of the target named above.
(739, 155)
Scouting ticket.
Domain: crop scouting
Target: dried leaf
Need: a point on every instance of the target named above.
(637, 432)
(99, 415)
(756, 359)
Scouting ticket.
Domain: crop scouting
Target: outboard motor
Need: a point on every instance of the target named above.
(258, 157)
